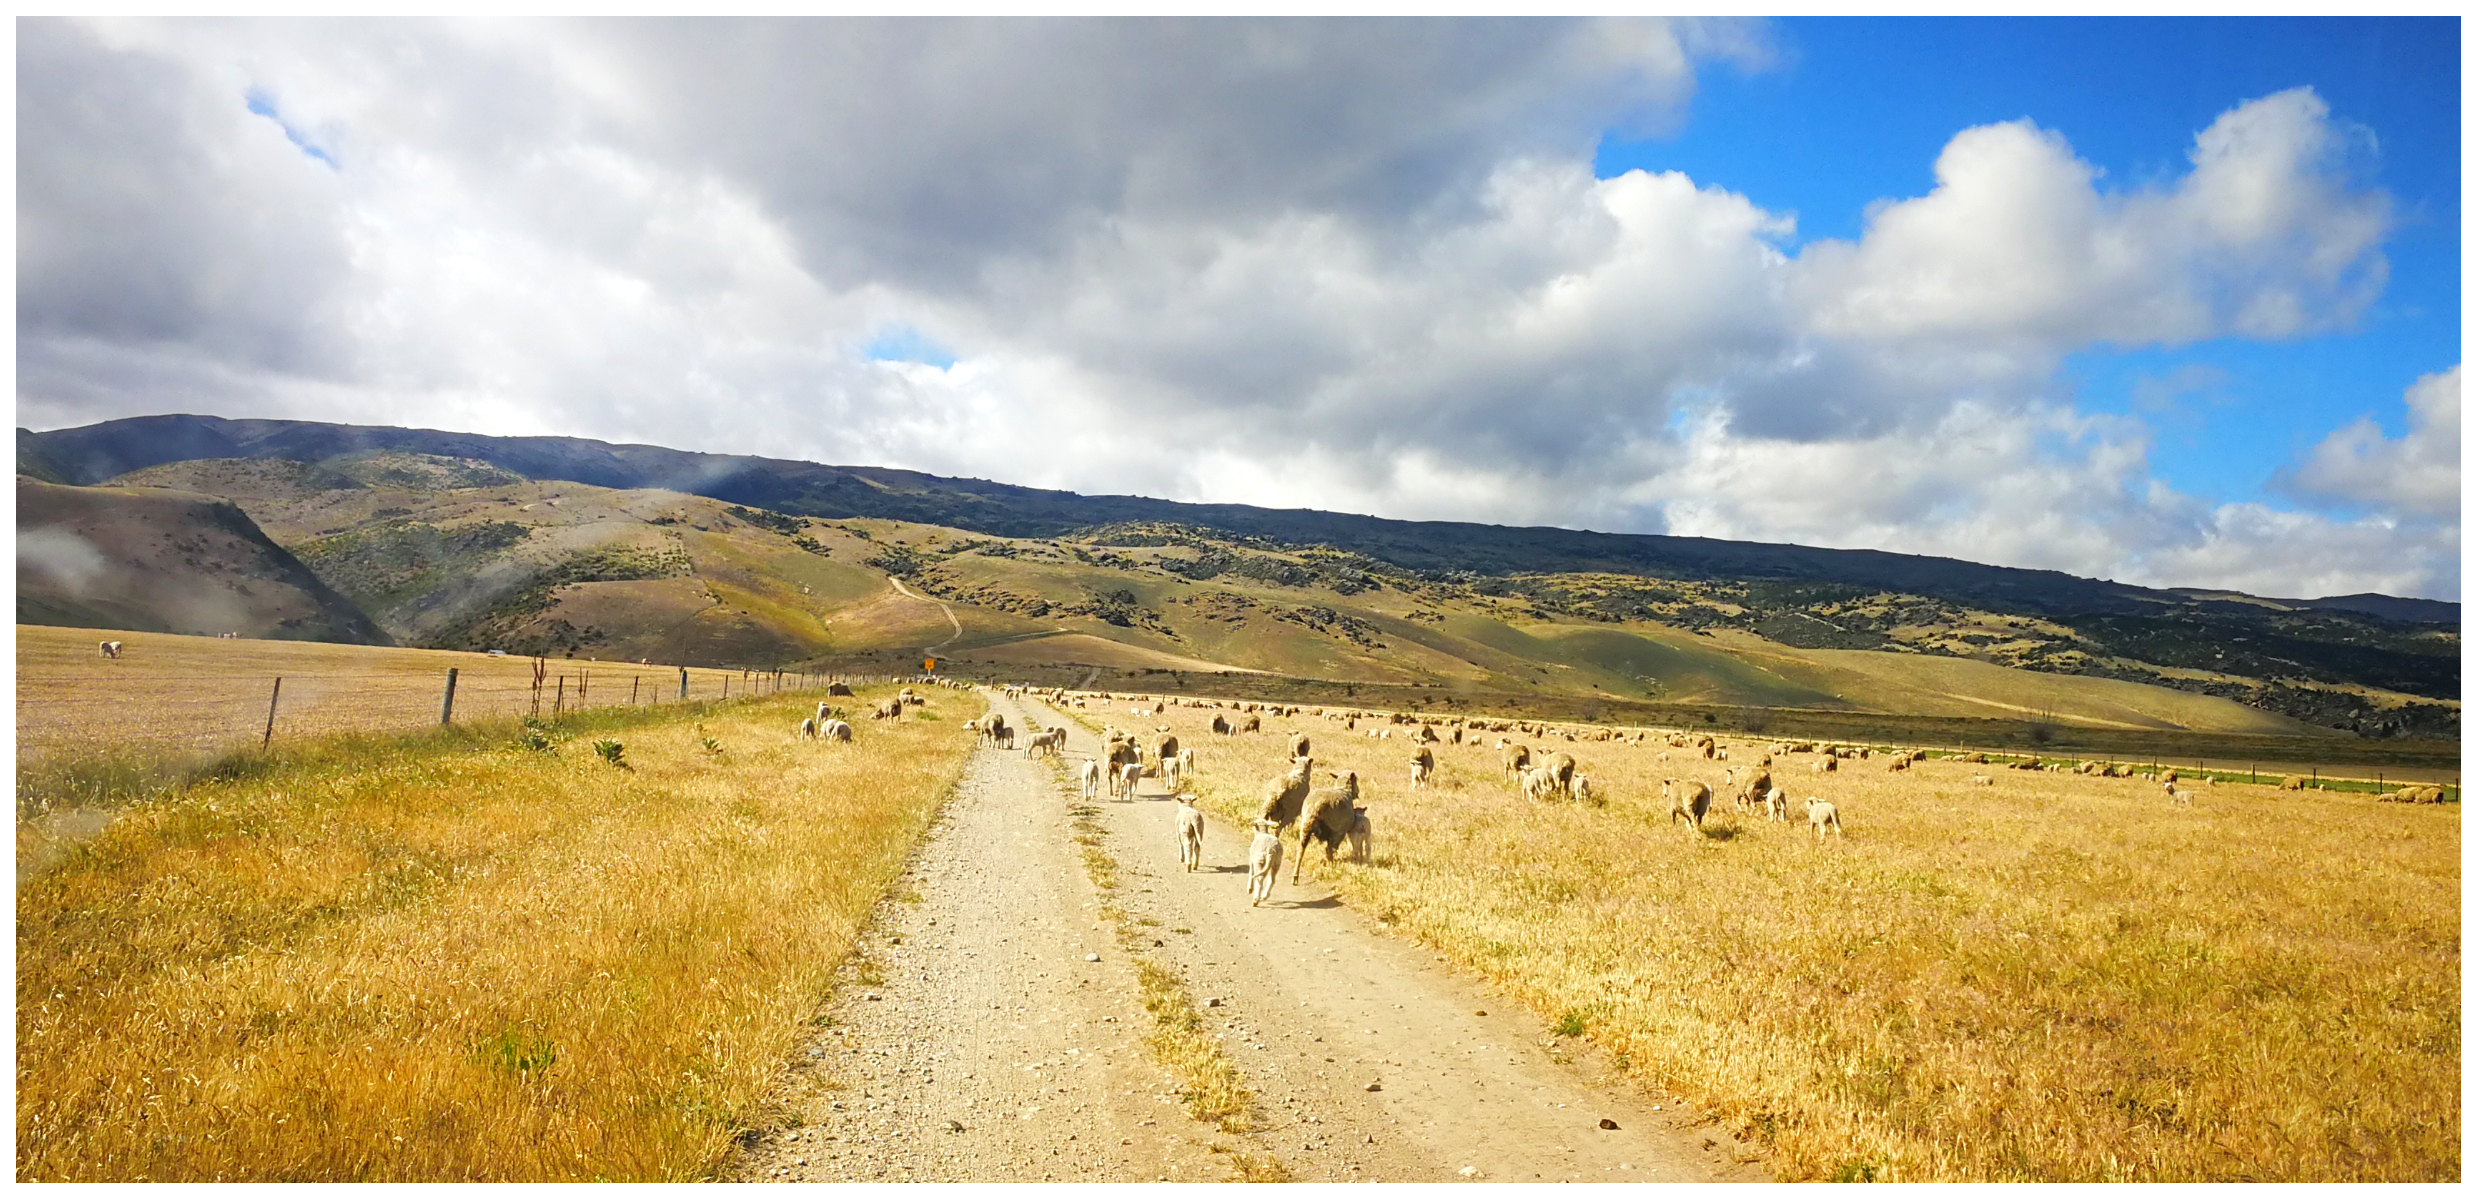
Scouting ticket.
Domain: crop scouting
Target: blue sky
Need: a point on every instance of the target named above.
(1854, 110)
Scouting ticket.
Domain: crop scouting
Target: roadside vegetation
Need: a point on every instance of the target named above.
(2048, 977)
(564, 950)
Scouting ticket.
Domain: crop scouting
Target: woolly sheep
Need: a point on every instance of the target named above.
(1186, 762)
(1582, 791)
(1190, 833)
(1298, 745)
(1360, 837)
(1776, 805)
(1687, 799)
(1539, 783)
(1128, 776)
(835, 730)
(1423, 764)
(1251, 724)
(808, 729)
(1264, 862)
(1092, 778)
(1820, 814)
(1517, 760)
(1169, 772)
(1980, 780)
(1284, 796)
(1221, 724)
(1561, 765)
(1327, 817)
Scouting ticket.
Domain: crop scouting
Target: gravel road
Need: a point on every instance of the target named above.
(989, 1028)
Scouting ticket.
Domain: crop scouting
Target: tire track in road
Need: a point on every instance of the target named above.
(1370, 1060)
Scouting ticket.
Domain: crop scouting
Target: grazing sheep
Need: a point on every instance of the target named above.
(2178, 795)
(2292, 783)
(109, 649)
(1688, 800)
(1423, 764)
(1128, 776)
(1561, 766)
(1186, 762)
(1327, 817)
(841, 689)
(1092, 778)
(1284, 796)
(1539, 783)
(835, 730)
(825, 710)
(1776, 805)
(1264, 862)
(1190, 833)
(1820, 814)
(1980, 780)
(1298, 745)
(1582, 792)
(1517, 760)
(1221, 724)
(1360, 837)
(1251, 724)
(1827, 765)
(808, 728)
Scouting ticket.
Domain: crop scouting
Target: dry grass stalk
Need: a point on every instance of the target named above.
(437, 960)
(2056, 977)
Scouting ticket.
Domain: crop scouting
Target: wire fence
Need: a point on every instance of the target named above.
(67, 714)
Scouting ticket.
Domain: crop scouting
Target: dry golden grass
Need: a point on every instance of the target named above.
(2054, 977)
(174, 694)
(451, 958)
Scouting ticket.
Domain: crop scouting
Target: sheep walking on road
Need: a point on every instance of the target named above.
(1264, 862)
(1190, 833)
(1091, 779)
(1821, 815)
(1285, 796)
(1170, 772)
(1128, 776)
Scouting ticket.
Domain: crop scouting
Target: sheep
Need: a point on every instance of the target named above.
(1517, 760)
(825, 710)
(1284, 796)
(1327, 817)
(1170, 772)
(109, 649)
(1827, 765)
(841, 689)
(1776, 805)
(1423, 764)
(1360, 837)
(1298, 745)
(1054, 741)
(808, 729)
(1091, 779)
(1539, 783)
(1264, 862)
(1128, 775)
(1190, 833)
(2292, 783)
(1186, 762)
(1221, 724)
(1560, 766)
(1820, 815)
(1005, 737)
(2178, 795)
(1165, 747)
(1582, 792)
(1251, 724)
(1980, 780)
(1688, 800)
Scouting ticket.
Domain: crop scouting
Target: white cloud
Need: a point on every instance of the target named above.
(1359, 265)
(2416, 473)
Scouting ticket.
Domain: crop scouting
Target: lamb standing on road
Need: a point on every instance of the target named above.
(1128, 775)
(1091, 779)
(1264, 862)
(1190, 833)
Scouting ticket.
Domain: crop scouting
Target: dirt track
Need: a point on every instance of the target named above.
(1002, 1042)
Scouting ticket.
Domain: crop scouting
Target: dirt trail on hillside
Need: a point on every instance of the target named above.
(1003, 1042)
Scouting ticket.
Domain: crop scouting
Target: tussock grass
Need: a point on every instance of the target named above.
(452, 958)
(2053, 978)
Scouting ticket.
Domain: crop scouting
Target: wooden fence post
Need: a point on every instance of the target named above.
(683, 682)
(559, 699)
(447, 702)
(633, 680)
(272, 696)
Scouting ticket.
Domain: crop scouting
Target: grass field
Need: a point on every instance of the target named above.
(173, 694)
(448, 956)
(2054, 977)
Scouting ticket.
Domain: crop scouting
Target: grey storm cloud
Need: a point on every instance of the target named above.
(1358, 264)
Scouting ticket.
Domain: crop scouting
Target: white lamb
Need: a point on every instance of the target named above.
(1091, 779)
(1190, 833)
(1264, 862)
(1821, 815)
(1127, 777)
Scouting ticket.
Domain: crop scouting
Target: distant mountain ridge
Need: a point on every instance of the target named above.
(94, 453)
